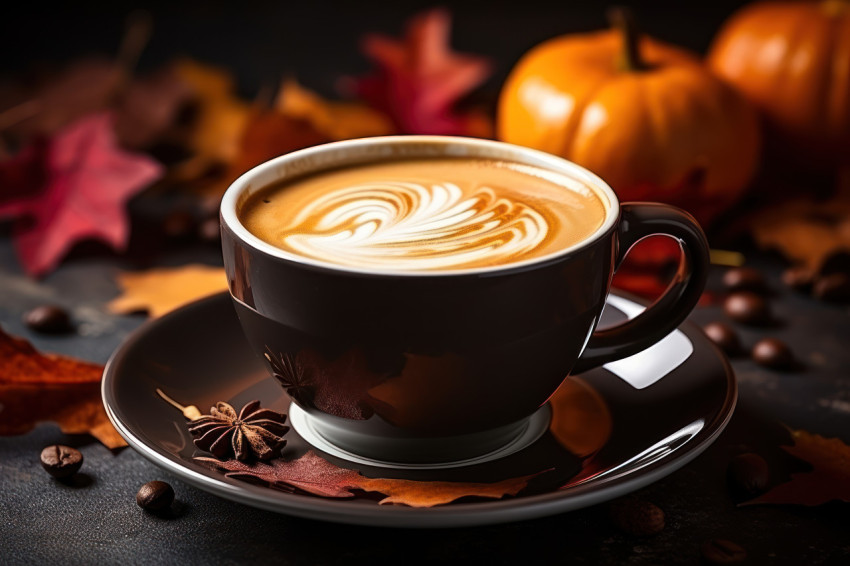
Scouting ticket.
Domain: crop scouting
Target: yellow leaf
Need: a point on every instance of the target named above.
(159, 291)
(336, 120)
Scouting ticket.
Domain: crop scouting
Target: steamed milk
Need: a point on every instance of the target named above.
(425, 214)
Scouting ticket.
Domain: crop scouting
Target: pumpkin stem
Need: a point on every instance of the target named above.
(622, 19)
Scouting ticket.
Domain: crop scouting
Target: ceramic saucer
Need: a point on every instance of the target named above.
(612, 430)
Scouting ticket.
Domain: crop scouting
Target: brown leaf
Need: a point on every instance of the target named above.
(85, 86)
(36, 387)
(804, 230)
(149, 106)
(335, 120)
(828, 480)
(161, 290)
(313, 474)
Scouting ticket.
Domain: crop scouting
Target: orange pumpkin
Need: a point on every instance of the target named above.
(792, 59)
(647, 117)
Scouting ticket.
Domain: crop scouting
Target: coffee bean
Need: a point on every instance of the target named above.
(720, 551)
(637, 517)
(748, 308)
(61, 461)
(724, 336)
(745, 279)
(748, 474)
(773, 353)
(155, 496)
(834, 288)
(48, 319)
(799, 278)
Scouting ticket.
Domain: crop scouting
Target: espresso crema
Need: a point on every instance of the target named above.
(425, 214)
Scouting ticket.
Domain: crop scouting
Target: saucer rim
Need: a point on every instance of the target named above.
(456, 515)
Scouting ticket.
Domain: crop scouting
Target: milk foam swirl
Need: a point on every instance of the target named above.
(403, 225)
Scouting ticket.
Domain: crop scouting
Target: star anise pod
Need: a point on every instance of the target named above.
(253, 432)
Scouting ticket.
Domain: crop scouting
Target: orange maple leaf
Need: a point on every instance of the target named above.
(828, 480)
(36, 387)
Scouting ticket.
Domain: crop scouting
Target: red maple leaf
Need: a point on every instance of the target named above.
(419, 79)
(88, 182)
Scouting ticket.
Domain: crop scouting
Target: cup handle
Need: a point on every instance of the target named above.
(638, 221)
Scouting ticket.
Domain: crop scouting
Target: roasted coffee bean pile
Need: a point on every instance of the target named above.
(748, 303)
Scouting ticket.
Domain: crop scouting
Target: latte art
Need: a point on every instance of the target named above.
(425, 215)
(414, 226)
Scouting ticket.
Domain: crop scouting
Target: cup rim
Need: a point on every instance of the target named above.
(232, 196)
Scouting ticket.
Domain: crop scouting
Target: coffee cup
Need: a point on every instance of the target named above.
(438, 349)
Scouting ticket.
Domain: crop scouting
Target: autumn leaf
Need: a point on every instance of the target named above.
(84, 87)
(148, 107)
(162, 290)
(419, 79)
(804, 230)
(828, 480)
(89, 181)
(37, 387)
(219, 120)
(312, 474)
(267, 134)
(334, 120)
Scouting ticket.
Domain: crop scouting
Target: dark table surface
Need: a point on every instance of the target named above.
(43, 521)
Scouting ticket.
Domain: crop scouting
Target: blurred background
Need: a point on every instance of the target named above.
(317, 39)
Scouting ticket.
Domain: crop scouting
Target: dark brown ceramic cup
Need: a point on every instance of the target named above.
(442, 366)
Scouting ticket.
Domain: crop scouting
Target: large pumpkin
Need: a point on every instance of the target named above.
(647, 117)
(793, 60)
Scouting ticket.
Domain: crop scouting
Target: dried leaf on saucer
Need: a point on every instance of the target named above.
(89, 181)
(36, 387)
(315, 475)
(828, 480)
(162, 290)
(419, 79)
(334, 120)
(805, 231)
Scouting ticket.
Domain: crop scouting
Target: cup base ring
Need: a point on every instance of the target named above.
(330, 435)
